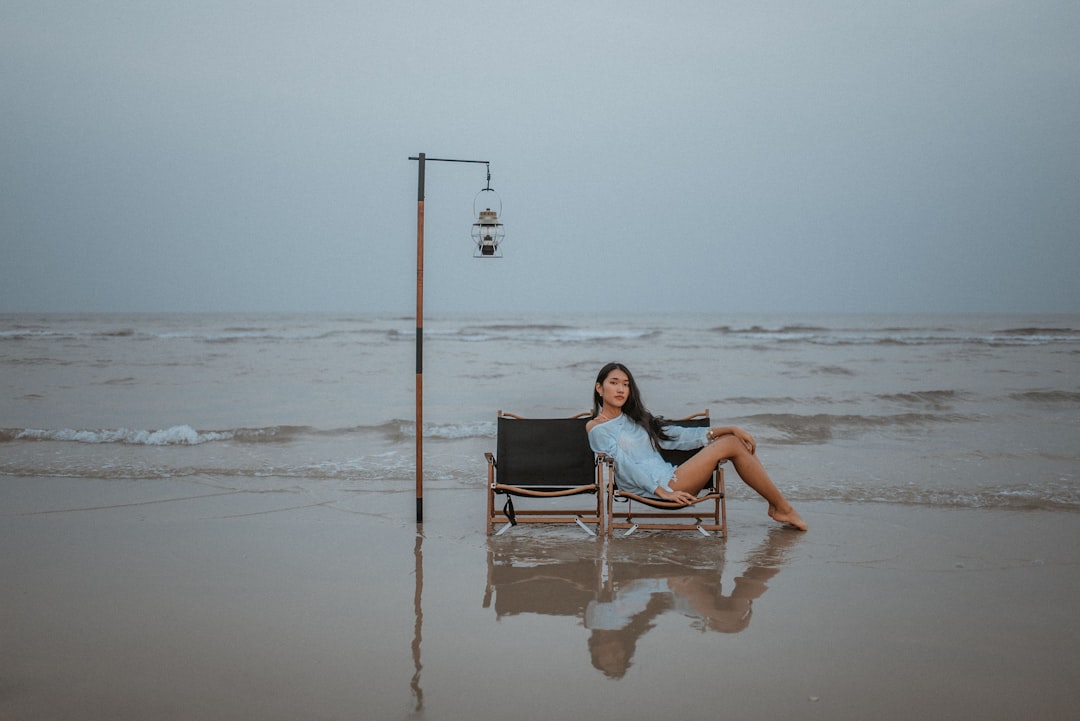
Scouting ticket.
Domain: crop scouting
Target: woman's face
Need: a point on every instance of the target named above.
(615, 389)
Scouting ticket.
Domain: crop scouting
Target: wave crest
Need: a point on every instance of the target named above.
(1047, 397)
(185, 435)
(821, 427)
(175, 436)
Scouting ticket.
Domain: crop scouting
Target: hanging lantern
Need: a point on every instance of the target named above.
(487, 231)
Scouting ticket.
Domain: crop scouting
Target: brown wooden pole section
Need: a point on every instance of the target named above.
(422, 158)
(420, 343)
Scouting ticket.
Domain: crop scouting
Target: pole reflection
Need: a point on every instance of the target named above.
(418, 625)
(617, 590)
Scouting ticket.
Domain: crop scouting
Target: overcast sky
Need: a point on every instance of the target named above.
(798, 155)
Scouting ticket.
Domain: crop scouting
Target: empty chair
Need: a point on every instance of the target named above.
(549, 462)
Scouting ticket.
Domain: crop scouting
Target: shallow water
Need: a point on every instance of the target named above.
(967, 411)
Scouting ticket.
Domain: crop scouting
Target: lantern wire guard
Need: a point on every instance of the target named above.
(487, 230)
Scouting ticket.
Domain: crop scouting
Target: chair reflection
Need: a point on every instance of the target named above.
(559, 580)
(617, 592)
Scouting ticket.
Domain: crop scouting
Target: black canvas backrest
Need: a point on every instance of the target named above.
(544, 452)
(679, 457)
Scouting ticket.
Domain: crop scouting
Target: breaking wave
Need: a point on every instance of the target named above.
(175, 436)
(1048, 397)
(185, 435)
(529, 333)
(820, 428)
(898, 336)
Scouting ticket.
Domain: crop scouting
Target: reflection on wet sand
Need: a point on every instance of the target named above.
(617, 591)
(418, 625)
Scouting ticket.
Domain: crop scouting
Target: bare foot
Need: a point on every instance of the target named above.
(791, 517)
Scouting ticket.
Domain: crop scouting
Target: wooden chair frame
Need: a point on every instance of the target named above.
(509, 516)
(708, 522)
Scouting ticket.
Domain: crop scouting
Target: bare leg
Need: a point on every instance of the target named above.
(694, 474)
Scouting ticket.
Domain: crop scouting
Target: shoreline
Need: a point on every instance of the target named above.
(177, 599)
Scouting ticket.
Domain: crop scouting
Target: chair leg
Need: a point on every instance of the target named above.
(490, 493)
(577, 519)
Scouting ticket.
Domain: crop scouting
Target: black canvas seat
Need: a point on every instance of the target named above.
(711, 517)
(548, 461)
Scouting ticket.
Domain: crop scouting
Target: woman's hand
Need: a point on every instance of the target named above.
(681, 497)
(746, 438)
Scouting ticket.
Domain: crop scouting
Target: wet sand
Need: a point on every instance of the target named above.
(190, 600)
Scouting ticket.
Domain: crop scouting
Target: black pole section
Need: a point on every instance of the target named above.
(420, 269)
(420, 340)
(422, 158)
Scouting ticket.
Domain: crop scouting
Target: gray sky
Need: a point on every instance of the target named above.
(832, 156)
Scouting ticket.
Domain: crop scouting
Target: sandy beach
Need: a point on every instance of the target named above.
(187, 600)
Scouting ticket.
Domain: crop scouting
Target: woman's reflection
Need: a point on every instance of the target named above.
(618, 600)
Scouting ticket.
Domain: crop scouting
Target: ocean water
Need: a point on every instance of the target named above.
(953, 411)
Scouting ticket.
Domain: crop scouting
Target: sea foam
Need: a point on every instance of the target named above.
(176, 436)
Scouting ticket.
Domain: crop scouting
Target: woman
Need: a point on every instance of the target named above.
(626, 431)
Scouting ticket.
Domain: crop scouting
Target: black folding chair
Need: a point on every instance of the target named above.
(676, 517)
(543, 459)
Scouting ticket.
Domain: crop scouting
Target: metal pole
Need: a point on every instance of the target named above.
(420, 343)
(422, 158)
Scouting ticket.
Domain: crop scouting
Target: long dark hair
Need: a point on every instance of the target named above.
(634, 408)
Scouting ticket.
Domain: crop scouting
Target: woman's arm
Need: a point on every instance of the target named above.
(746, 438)
(684, 438)
(633, 462)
